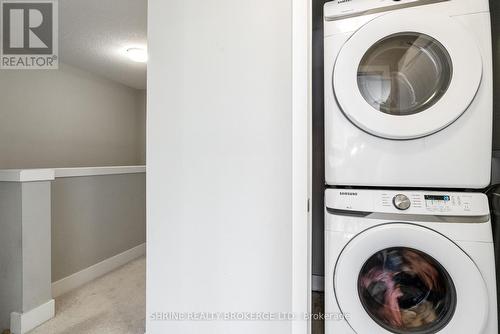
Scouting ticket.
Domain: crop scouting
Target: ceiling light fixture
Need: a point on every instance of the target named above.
(138, 55)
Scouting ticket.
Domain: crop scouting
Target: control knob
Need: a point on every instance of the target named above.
(401, 202)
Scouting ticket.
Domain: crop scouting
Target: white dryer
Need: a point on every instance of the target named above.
(408, 93)
(409, 262)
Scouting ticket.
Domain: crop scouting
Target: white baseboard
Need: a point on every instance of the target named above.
(21, 323)
(91, 273)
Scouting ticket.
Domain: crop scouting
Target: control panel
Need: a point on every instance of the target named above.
(339, 9)
(408, 202)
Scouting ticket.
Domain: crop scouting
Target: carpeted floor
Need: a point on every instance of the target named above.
(112, 304)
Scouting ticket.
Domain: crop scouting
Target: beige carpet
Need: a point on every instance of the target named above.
(112, 304)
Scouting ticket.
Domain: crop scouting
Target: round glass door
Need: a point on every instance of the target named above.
(405, 73)
(401, 77)
(406, 291)
(387, 280)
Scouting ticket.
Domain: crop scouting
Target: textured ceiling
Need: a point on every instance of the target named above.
(94, 35)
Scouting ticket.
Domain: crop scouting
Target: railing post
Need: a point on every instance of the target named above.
(25, 256)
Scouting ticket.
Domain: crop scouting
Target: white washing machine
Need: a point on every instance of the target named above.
(409, 262)
(408, 93)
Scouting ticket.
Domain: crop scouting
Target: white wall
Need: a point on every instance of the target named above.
(495, 23)
(219, 162)
(68, 118)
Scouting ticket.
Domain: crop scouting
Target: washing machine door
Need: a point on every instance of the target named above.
(407, 75)
(403, 278)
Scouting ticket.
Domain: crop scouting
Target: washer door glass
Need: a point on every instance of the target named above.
(405, 73)
(408, 279)
(407, 291)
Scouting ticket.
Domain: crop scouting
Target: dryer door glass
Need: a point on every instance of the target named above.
(405, 73)
(407, 291)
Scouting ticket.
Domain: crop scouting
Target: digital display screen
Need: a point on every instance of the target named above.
(445, 198)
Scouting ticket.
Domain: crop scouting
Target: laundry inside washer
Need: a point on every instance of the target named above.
(405, 289)
(409, 262)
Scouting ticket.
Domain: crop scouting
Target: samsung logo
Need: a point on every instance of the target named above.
(342, 1)
(348, 194)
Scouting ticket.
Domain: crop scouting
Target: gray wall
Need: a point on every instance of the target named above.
(94, 218)
(68, 118)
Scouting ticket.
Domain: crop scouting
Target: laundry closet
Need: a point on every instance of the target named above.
(408, 93)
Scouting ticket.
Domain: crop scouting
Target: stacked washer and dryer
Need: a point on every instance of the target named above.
(408, 115)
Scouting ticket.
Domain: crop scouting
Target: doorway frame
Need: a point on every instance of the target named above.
(301, 163)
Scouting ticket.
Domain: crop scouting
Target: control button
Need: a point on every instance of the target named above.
(401, 202)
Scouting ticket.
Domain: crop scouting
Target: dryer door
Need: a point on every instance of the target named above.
(404, 278)
(407, 75)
